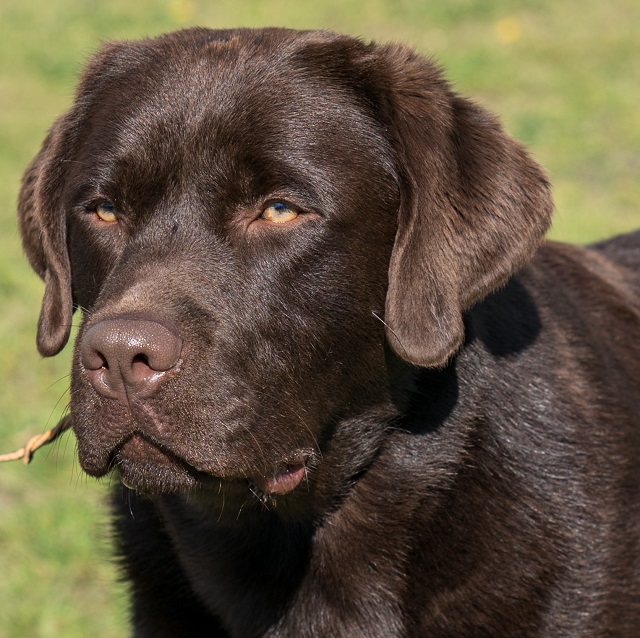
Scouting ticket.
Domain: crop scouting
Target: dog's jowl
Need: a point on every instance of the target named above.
(347, 388)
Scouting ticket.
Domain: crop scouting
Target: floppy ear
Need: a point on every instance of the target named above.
(474, 207)
(41, 211)
(43, 227)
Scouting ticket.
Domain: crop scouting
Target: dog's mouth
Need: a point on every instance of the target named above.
(150, 468)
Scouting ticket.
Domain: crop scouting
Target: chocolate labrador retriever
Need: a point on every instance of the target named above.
(347, 391)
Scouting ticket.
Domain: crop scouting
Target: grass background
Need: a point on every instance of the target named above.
(563, 74)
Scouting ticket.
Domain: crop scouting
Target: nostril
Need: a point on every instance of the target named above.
(94, 359)
(141, 371)
(142, 359)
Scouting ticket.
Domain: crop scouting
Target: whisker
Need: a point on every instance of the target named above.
(390, 329)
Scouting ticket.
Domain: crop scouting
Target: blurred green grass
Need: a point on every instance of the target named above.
(562, 74)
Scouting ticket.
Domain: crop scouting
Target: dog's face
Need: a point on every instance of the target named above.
(244, 218)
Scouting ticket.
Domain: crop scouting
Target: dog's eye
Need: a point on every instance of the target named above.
(106, 212)
(279, 213)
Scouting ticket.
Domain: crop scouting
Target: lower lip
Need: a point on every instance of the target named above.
(283, 480)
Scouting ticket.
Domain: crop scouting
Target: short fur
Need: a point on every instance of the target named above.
(468, 423)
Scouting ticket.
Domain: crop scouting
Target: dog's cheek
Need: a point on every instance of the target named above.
(92, 258)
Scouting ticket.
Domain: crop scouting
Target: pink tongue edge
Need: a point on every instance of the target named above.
(282, 482)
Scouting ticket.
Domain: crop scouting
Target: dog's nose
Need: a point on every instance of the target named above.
(126, 358)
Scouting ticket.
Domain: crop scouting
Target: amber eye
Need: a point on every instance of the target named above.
(279, 213)
(106, 212)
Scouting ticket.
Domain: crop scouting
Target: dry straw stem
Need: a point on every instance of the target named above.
(36, 442)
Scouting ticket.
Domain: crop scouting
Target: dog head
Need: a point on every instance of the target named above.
(245, 219)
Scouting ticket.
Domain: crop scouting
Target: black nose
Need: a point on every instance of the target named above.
(126, 358)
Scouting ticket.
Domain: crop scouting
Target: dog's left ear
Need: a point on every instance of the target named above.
(474, 206)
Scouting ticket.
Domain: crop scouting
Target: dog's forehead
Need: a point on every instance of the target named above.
(238, 77)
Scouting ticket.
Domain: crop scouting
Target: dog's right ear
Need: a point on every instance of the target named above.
(42, 220)
(41, 209)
